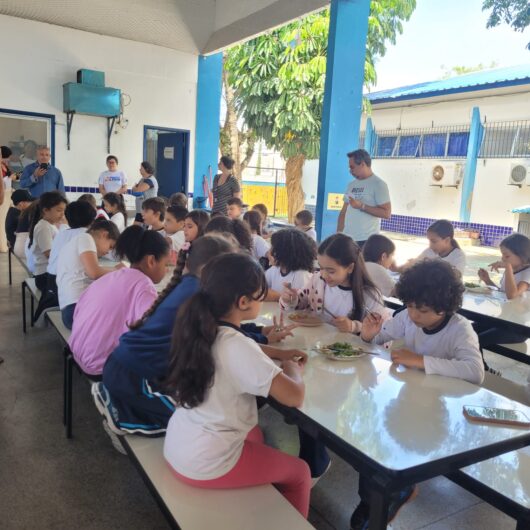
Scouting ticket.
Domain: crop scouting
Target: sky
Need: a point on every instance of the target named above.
(449, 33)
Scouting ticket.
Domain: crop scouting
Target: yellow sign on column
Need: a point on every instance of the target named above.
(335, 201)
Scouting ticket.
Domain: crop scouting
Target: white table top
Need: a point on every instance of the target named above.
(400, 418)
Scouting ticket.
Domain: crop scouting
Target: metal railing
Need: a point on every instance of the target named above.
(268, 187)
(507, 139)
(433, 142)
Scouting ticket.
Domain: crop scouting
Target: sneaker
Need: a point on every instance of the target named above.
(314, 480)
(360, 518)
(103, 403)
(114, 438)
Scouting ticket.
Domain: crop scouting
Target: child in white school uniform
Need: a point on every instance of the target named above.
(378, 253)
(114, 205)
(174, 226)
(442, 245)
(260, 247)
(213, 439)
(436, 340)
(292, 256)
(303, 220)
(515, 281)
(153, 213)
(342, 292)
(78, 264)
(48, 213)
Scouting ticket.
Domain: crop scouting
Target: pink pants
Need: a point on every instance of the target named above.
(261, 464)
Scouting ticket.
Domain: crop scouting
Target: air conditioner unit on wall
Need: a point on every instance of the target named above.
(519, 174)
(448, 174)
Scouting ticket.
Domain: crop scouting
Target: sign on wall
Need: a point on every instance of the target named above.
(335, 201)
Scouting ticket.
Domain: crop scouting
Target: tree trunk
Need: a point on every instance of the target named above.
(231, 126)
(295, 194)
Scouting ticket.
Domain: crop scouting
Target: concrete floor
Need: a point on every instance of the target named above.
(50, 482)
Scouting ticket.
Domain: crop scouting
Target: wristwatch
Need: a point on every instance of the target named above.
(362, 206)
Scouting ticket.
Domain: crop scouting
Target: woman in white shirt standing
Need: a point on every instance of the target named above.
(114, 205)
(113, 180)
(216, 372)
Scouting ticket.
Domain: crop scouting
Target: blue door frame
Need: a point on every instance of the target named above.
(50, 117)
(186, 161)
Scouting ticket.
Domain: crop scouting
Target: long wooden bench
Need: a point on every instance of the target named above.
(189, 508)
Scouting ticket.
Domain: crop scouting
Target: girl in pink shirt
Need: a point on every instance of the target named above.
(117, 299)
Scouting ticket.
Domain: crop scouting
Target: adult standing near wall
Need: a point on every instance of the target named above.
(146, 188)
(5, 194)
(41, 176)
(366, 200)
(113, 180)
(225, 185)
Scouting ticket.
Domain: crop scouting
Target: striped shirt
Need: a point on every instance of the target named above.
(222, 193)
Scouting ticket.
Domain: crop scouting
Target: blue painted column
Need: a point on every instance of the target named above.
(208, 111)
(473, 148)
(342, 109)
(369, 137)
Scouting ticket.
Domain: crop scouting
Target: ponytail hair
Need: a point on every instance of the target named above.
(115, 199)
(443, 228)
(204, 249)
(136, 242)
(345, 251)
(224, 280)
(47, 200)
(254, 220)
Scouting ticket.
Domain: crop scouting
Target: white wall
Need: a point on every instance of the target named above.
(162, 84)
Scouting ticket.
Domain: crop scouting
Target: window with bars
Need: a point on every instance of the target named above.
(510, 139)
(436, 142)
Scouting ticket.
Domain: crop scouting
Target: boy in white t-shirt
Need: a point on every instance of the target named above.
(304, 221)
(174, 226)
(112, 180)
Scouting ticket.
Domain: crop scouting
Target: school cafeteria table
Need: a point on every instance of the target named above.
(396, 426)
(496, 310)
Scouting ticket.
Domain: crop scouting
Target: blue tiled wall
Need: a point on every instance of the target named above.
(85, 189)
(490, 235)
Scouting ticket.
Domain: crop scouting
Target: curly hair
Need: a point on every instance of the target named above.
(293, 250)
(432, 283)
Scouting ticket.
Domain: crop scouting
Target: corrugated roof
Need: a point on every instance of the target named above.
(485, 79)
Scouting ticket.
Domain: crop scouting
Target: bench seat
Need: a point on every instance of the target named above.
(189, 508)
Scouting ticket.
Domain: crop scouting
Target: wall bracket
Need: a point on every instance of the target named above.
(111, 120)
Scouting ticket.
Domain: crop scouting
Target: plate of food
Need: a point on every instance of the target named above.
(477, 288)
(306, 319)
(341, 351)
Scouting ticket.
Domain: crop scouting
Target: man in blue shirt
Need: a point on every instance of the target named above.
(40, 176)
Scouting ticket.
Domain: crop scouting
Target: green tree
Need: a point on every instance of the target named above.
(515, 13)
(277, 82)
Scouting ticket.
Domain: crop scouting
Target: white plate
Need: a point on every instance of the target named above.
(321, 349)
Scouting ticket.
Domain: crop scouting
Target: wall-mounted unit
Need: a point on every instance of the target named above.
(519, 174)
(447, 174)
(91, 97)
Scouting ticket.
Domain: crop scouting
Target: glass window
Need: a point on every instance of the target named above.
(385, 145)
(408, 145)
(433, 145)
(457, 145)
